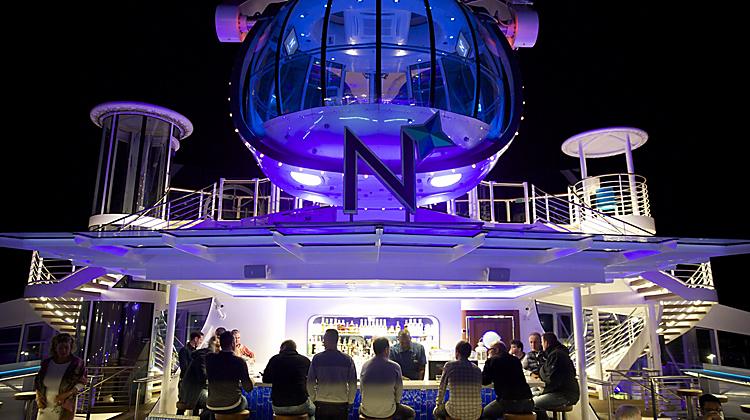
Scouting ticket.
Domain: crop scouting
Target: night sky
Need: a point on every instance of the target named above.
(659, 66)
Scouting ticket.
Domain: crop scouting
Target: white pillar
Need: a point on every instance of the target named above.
(597, 344)
(580, 352)
(631, 176)
(653, 337)
(582, 160)
(474, 204)
(168, 348)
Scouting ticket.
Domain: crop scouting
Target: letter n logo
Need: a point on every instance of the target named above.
(403, 189)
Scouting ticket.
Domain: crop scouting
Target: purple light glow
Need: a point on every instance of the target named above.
(374, 290)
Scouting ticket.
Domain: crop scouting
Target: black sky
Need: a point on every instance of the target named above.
(666, 67)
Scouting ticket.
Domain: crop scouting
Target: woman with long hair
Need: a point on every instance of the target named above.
(60, 378)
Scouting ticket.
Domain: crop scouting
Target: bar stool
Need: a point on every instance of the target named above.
(242, 415)
(745, 408)
(527, 416)
(28, 398)
(362, 417)
(290, 417)
(689, 394)
(558, 413)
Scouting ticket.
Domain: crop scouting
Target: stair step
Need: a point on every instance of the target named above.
(661, 296)
(654, 288)
(673, 305)
(638, 282)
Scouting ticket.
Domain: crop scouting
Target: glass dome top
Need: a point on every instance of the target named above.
(384, 62)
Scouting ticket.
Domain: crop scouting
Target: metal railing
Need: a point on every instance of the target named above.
(109, 387)
(694, 275)
(177, 209)
(659, 392)
(570, 212)
(616, 339)
(614, 194)
(49, 270)
(158, 346)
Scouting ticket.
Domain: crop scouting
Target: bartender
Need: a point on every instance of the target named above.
(410, 356)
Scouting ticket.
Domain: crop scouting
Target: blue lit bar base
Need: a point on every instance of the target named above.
(421, 400)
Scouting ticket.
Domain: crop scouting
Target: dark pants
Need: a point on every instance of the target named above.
(497, 408)
(545, 402)
(403, 412)
(331, 411)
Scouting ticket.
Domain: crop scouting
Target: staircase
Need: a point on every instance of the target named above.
(56, 290)
(622, 341)
(679, 315)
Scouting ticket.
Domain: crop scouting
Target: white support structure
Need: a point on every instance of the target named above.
(580, 342)
(631, 175)
(597, 344)
(169, 347)
(474, 204)
(653, 344)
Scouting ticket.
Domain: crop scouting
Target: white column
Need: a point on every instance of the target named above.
(580, 352)
(631, 176)
(653, 337)
(582, 160)
(474, 204)
(597, 344)
(169, 348)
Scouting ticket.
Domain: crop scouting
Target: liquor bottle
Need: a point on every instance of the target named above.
(398, 326)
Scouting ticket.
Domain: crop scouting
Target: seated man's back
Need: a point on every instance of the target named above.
(381, 387)
(225, 373)
(287, 374)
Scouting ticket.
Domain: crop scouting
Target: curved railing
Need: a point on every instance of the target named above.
(614, 195)
(694, 275)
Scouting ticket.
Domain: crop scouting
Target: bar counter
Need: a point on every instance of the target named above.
(419, 395)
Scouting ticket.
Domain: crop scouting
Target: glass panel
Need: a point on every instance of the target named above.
(10, 335)
(154, 163)
(733, 348)
(101, 176)
(8, 353)
(350, 53)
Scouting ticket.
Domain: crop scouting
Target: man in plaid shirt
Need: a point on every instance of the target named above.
(464, 380)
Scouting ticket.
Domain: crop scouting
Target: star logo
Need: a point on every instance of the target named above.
(428, 136)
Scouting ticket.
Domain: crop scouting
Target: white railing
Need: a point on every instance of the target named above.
(694, 275)
(613, 195)
(616, 339)
(49, 270)
(177, 209)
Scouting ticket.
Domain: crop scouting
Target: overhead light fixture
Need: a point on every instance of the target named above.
(445, 180)
(306, 179)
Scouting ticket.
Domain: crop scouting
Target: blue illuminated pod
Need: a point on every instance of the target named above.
(309, 69)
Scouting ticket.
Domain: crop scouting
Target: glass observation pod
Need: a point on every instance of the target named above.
(309, 69)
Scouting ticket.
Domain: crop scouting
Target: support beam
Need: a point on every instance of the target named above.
(168, 349)
(555, 254)
(580, 342)
(597, 344)
(653, 342)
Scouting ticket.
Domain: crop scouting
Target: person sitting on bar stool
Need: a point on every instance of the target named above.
(332, 380)
(512, 393)
(195, 382)
(60, 378)
(225, 373)
(381, 386)
(516, 349)
(710, 406)
(287, 374)
(559, 376)
(464, 380)
(184, 357)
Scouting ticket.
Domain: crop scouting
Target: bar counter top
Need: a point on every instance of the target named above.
(416, 384)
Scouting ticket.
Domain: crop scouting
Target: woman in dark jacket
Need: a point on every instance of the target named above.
(59, 380)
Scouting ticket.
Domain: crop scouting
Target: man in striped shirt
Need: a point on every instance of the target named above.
(464, 380)
(332, 380)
